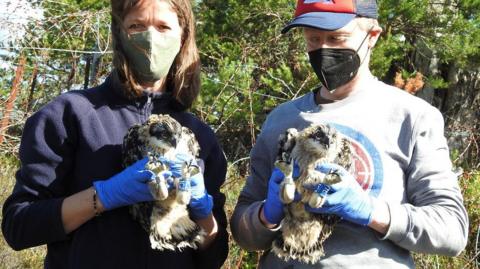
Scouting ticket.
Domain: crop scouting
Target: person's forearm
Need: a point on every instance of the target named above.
(79, 208)
(210, 226)
(380, 217)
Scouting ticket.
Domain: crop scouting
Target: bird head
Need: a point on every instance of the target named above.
(321, 137)
(164, 131)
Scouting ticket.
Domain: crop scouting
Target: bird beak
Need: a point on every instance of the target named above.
(174, 142)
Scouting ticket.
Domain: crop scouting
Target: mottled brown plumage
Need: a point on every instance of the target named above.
(166, 219)
(303, 233)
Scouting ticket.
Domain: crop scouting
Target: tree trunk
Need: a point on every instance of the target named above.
(462, 112)
(11, 99)
(86, 77)
(459, 104)
(33, 84)
(95, 66)
(71, 75)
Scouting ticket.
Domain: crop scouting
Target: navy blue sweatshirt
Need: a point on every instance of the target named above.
(77, 139)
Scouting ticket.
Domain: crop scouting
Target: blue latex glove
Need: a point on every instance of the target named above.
(273, 206)
(127, 187)
(345, 199)
(201, 203)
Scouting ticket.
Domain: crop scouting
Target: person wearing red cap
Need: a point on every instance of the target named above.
(402, 195)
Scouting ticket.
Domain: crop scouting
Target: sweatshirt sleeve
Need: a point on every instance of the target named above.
(434, 220)
(215, 171)
(32, 213)
(247, 230)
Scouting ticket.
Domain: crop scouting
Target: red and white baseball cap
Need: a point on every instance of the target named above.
(330, 15)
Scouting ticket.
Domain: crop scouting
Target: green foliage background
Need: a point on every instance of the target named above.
(248, 69)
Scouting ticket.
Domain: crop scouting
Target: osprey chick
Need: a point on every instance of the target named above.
(303, 233)
(166, 219)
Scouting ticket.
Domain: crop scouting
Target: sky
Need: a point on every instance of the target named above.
(14, 15)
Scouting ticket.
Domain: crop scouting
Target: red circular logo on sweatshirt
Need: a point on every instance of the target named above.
(368, 164)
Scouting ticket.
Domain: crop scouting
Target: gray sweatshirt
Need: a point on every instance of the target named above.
(401, 157)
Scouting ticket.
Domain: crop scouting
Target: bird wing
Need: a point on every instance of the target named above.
(132, 146)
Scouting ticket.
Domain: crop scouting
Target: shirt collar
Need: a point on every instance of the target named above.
(158, 98)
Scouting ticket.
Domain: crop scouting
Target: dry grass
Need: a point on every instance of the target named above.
(470, 257)
(29, 258)
(237, 258)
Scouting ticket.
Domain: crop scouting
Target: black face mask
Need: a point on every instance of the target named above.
(335, 67)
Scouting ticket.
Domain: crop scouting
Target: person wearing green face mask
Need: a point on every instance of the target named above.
(151, 53)
(76, 140)
(149, 49)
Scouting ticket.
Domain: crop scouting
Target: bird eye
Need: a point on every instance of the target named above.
(157, 130)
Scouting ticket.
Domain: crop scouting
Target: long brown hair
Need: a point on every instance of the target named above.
(183, 79)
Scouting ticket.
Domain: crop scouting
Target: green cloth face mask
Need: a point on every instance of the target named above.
(150, 53)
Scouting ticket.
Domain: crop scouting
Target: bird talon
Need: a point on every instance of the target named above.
(317, 198)
(159, 188)
(316, 201)
(183, 192)
(287, 192)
